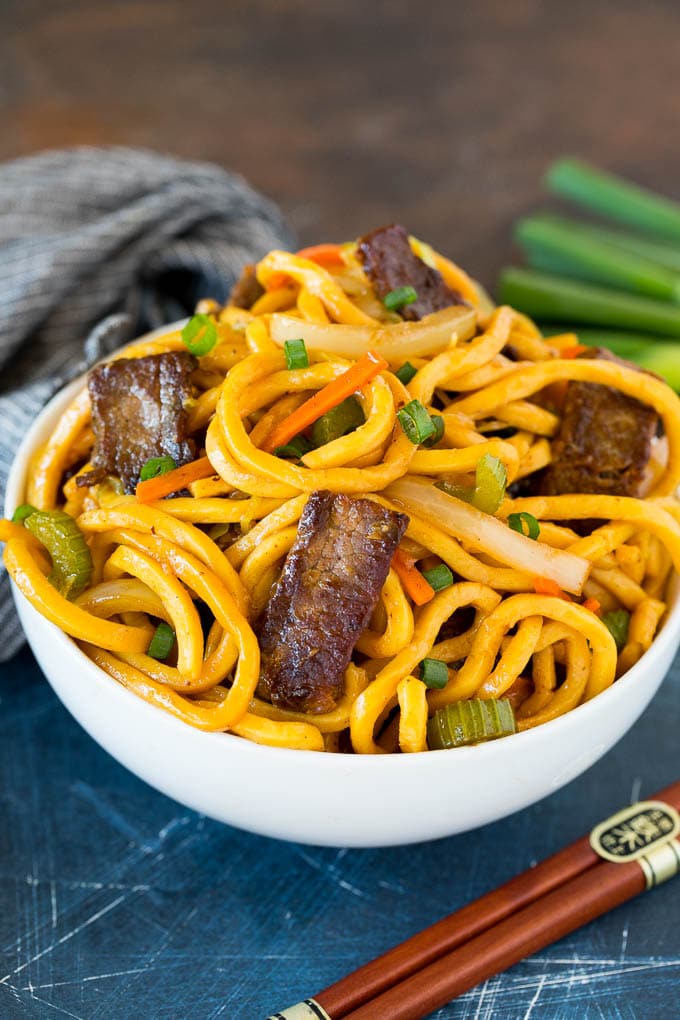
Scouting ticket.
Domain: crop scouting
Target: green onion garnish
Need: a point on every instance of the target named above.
(296, 354)
(199, 336)
(156, 466)
(296, 448)
(438, 434)
(22, 512)
(617, 625)
(406, 373)
(416, 422)
(470, 722)
(396, 299)
(518, 521)
(161, 642)
(434, 673)
(439, 577)
(490, 481)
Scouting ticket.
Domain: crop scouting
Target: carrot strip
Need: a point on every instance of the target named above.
(417, 587)
(173, 481)
(322, 254)
(593, 605)
(573, 352)
(332, 394)
(546, 586)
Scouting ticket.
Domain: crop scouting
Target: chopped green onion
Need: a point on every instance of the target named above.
(517, 522)
(434, 673)
(296, 448)
(69, 552)
(470, 722)
(490, 481)
(617, 625)
(396, 299)
(439, 577)
(342, 419)
(557, 298)
(416, 422)
(22, 512)
(614, 197)
(199, 336)
(438, 434)
(296, 354)
(406, 373)
(161, 642)
(559, 246)
(156, 466)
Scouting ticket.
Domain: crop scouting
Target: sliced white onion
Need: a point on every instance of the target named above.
(486, 534)
(397, 342)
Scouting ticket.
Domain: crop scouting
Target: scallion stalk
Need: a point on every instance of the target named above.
(614, 197)
(557, 246)
(661, 252)
(552, 297)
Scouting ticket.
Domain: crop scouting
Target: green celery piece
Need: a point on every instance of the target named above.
(544, 296)
(69, 552)
(339, 421)
(470, 722)
(614, 197)
(557, 247)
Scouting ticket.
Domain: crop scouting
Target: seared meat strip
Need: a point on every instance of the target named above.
(138, 413)
(324, 599)
(247, 289)
(604, 442)
(390, 263)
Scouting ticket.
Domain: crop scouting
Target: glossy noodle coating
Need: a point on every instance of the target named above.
(496, 521)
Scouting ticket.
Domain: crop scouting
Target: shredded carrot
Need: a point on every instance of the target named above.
(593, 605)
(546, 586)
(573, 352)
(361, 373)
(173, 481)
(420, 590)
(322, 254)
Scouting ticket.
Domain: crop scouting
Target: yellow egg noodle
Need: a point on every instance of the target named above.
(483, 370)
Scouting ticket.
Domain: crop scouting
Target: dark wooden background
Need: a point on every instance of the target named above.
(352, 113)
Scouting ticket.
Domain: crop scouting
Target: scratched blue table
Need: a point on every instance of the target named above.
(118, 903)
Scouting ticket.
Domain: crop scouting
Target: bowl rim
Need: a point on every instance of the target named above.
(559, 727)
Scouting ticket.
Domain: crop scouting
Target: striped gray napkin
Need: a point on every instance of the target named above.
(96, 247)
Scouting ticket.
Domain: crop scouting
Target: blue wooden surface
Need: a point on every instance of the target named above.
(116, 902)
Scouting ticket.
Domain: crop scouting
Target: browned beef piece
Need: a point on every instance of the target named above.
(137, 413)
(604, 442)
(390, 263)
(247, 289)
(324, 599)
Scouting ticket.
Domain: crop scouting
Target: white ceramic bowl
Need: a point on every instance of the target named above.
(331, 799)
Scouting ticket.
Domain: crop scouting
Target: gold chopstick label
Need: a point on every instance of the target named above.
(645, 832)
(307, 1010)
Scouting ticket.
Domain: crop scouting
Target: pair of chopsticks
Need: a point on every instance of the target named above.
(636, 849)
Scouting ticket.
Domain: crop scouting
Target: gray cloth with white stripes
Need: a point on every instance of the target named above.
(97, 246)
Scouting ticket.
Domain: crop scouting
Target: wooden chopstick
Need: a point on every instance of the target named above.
(454, 930)
(525, 914)
(550, 918)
